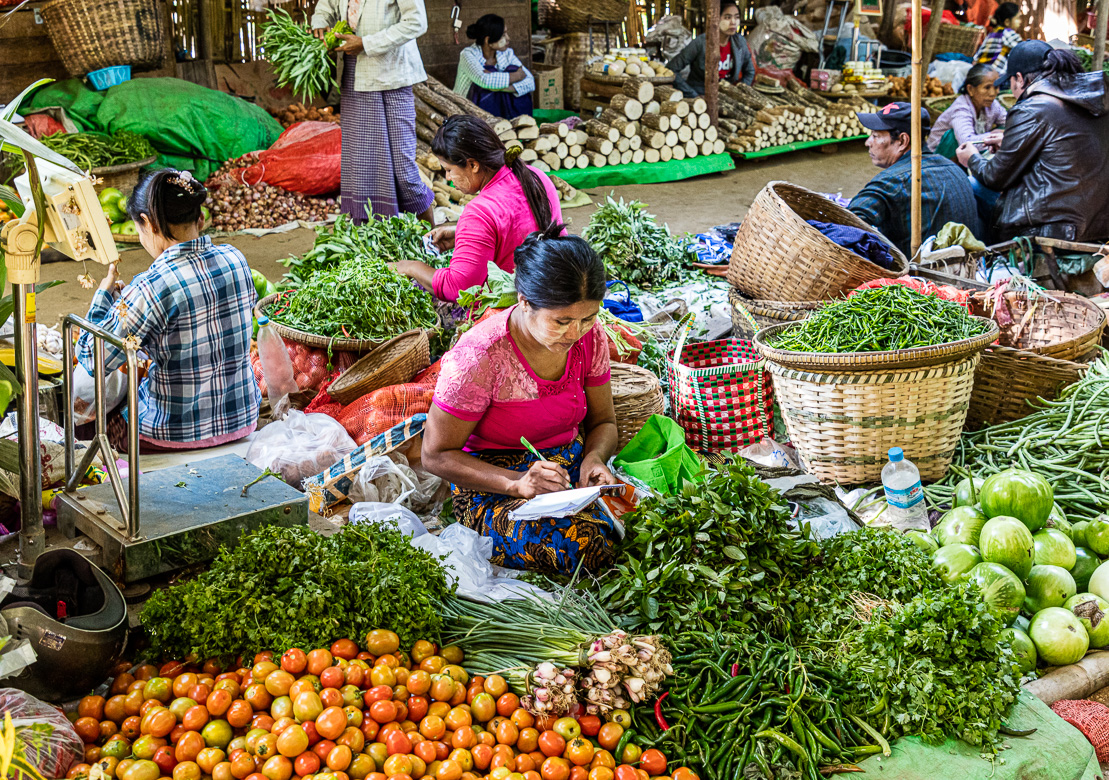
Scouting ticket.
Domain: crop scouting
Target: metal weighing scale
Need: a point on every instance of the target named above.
(188, 511)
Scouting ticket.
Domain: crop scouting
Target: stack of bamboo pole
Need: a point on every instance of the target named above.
(753, 120)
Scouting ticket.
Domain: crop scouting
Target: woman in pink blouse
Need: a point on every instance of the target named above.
(539, 371)
(513, 200)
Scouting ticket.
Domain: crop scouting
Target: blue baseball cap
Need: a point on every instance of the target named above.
(894, 117)
(1026, 57)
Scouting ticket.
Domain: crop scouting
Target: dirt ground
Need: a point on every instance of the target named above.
(692, 205)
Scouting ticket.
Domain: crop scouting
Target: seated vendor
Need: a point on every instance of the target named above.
(736, 63)
(490, 74)
(885, 202)
(513, 200)
(1052, 166)
(540, 371)
(190, 312)
(974, 116)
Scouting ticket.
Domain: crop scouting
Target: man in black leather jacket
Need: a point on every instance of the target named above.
(1052, 167)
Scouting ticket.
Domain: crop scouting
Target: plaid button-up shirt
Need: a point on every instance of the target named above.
(191, 314)
(471, 70)
(388, 29)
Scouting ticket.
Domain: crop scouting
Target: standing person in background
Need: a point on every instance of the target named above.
(1001, 39)
(380, 64)
(490, 74)
(736, 63)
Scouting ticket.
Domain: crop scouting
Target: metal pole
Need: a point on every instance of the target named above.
(1100, 31)
(712, 57)
(915, 129)
(32, 537)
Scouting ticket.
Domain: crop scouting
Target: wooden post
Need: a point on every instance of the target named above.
(1099, 34)
(930, 39)
(712, 58)
(915, 129)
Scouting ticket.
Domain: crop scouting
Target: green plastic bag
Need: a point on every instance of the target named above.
(659, 456)
(193, 127)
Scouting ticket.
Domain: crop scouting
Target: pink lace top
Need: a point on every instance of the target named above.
(486, 379)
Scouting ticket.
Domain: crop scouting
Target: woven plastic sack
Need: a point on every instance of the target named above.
(1089, 717)
(49, 739)
(720, 392)
(304, 159)
(380, 410)
(310, 365)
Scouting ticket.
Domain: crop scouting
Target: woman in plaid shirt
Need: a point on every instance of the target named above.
(190, 313)
(489, 72)
(1001, 39)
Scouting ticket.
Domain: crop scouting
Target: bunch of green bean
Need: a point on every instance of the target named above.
(884, 318)
(1066, 441)
(300, 60)
(100, 150)
(755, 700)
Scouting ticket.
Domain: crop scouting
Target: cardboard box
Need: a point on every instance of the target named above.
(548, 86)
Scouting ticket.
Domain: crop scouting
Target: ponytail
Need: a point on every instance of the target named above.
(534, 191)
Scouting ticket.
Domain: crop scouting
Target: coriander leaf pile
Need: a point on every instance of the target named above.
(300, 60)
(878, 320)
(291, 587)
(635, 248)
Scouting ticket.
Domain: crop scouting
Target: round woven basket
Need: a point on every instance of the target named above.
(636, 395)
(605, 78)
(778, 256)
(1007, 379)
(393, 363)
(859, 362)
(94, 34)
(765, 313)
(311, 339)
(123, 177)
(1064, 326)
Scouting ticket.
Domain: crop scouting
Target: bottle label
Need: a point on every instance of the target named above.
(905, 498)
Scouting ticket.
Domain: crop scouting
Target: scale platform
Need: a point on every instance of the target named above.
(185, 514)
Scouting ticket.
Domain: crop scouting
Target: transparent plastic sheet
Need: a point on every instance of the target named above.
(467, 562)
(778, 40)
(300, 446)
(389, 479)
(49, 740)
(379, 512)
(770, 453)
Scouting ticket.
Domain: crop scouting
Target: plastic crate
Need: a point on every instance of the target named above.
(109, 77)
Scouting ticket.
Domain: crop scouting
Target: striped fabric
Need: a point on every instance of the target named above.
(379, 152)
(190, 312)
(472, 70)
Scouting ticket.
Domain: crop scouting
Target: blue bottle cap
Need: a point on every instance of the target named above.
(896, 453)
(263, 320)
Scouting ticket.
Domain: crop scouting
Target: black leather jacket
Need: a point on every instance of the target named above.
(1053, 166)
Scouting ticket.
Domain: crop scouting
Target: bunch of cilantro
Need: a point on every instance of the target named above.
(291, 587)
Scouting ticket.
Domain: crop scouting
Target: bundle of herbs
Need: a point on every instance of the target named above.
(300, 60)
(635, 248)
(718, 554)
(880, 319)
(291, 587)
(99, 150)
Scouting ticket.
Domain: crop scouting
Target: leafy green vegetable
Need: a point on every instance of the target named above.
(635, 247)
(98, 150)
(299, 59)
(712, 555)
(498, 292)
(880, 319)
(291, 587)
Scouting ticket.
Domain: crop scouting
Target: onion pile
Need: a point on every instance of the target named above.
(235, 205)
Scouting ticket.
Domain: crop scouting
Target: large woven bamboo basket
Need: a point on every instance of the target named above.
(562, 16)
(123, 177)
(1061, 325)
(778, 256)
(765, 313)
(265, 306)
(393, 363)
(636, 395)
(94, 34)
(1007, 379)
(843, 412)
(959, 38)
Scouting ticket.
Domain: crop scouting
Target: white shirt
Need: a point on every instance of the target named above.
(388, 29)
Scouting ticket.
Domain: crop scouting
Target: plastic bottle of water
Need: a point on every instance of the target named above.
(276, 366)
(904, 495)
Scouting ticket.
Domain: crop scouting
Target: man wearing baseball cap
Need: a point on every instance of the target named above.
(885, 202)
(1052, 167)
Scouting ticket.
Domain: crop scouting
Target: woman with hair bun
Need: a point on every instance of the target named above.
(540, 371)
(513, 200)
(490, 74)
(975, 115)
(190, 313)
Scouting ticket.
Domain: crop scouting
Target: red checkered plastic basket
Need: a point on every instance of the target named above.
(720, 392)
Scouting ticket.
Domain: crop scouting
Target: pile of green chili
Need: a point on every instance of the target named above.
(878, 320)
(100, 150)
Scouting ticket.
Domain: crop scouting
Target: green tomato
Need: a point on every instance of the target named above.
(1020, 494)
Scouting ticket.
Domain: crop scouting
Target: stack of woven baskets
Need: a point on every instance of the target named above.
(782, 267)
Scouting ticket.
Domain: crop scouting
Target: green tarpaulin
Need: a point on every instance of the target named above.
(1057, 751)
(80, 102)
(646, 173)
(543, 115)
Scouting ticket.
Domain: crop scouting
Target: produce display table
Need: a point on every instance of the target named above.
(772, 150)
(646, 173)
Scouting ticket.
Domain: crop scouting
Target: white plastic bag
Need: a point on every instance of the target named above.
(378, 512)
(953, 73)
(778, 40)
(670, 35)
(84, 393)
(389, 479)
(467, 562)
(300, 446)
(770, 453)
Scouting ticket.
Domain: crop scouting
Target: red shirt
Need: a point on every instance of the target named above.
(726, 61)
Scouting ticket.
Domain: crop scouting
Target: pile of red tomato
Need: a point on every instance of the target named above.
(344, 714)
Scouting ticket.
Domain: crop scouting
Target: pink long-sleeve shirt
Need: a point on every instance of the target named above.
(492, 225)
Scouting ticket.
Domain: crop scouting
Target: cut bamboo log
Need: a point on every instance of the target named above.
(599, 129)
(718, 146)
(539, 165)
(621, 123)
(666, 93)
(650, 155)
(527, 132)
(623, 144)
(678, 152)
(508, 135)
(635, 142)
(576, 137)
(685, 133)
(529, 155)
(552, 159)
(653, 138)
(697, 135)
(704, 121)
(570, 163)
(666, 154)
(706, 147)
(596, 159)
(626, 157)
(574, 150)
(582, 161)
(599, 145)
(524, 120)
(653, 107)
(697, 105)
(656, 121)
(638, 155)
(672, 138)
(639, 90)
(691, 149)
(555, 128)
(711, 133)
(614, 157)
(675, 108)
(561, 150)
(627, 106)
(540, 144)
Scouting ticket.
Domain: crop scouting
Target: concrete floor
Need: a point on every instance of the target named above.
(692, 205)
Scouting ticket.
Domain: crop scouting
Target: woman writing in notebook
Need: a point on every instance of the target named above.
(538, 371)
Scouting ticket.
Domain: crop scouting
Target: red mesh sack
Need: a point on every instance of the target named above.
(380, 410)
(1089, 717)
(323, 403)
(305, 159)
(924, 287)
